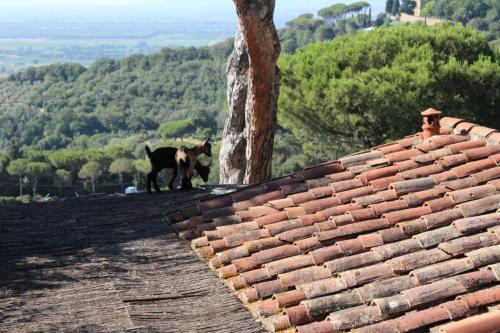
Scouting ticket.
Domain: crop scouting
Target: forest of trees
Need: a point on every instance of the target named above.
(27, 172)
(359, 91)
(481, 14)
(332, 21)
(52, 106)
(65, 128)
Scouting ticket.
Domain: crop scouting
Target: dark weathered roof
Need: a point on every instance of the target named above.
(402, 237)
(109, 264)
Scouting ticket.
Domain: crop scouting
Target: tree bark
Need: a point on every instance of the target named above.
(233, 146)
(20, 186)
(263, 47)
(34, 181)
(253, 77)
(120, 179)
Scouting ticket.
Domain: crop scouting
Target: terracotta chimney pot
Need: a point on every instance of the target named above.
(431, 125)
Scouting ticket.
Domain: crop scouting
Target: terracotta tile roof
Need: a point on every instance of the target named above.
(403, 237)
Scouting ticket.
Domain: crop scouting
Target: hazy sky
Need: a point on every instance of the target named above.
(153, 9)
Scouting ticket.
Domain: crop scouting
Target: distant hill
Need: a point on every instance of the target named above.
(50, 106)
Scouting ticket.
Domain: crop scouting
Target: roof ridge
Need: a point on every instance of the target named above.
(463, 127)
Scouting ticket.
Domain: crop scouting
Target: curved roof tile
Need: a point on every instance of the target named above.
(363, 242)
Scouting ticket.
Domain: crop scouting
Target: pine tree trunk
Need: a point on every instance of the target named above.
(232, 155)
(120, 178)
(33, 181)
(20, 186)
(263, 47)
(251, 130)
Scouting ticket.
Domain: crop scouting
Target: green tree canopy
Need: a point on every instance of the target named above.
(118, 152)
(34, 155)
(91, 170)
(35, 170)
(380, 20)
(62, 177)
(333, 12)
(4, 162)
(50, 106)
(18, 168)
(13, 151)
(429, 8)
(324, 32)
(67, 159)
(481, 14)
(38, 169)
(358, 6)
(177, 128)
(362, 90)
(121, 166)
(142, 167)
(304, 22)
(98, 156)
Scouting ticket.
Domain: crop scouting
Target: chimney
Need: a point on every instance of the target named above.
(431, 125)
